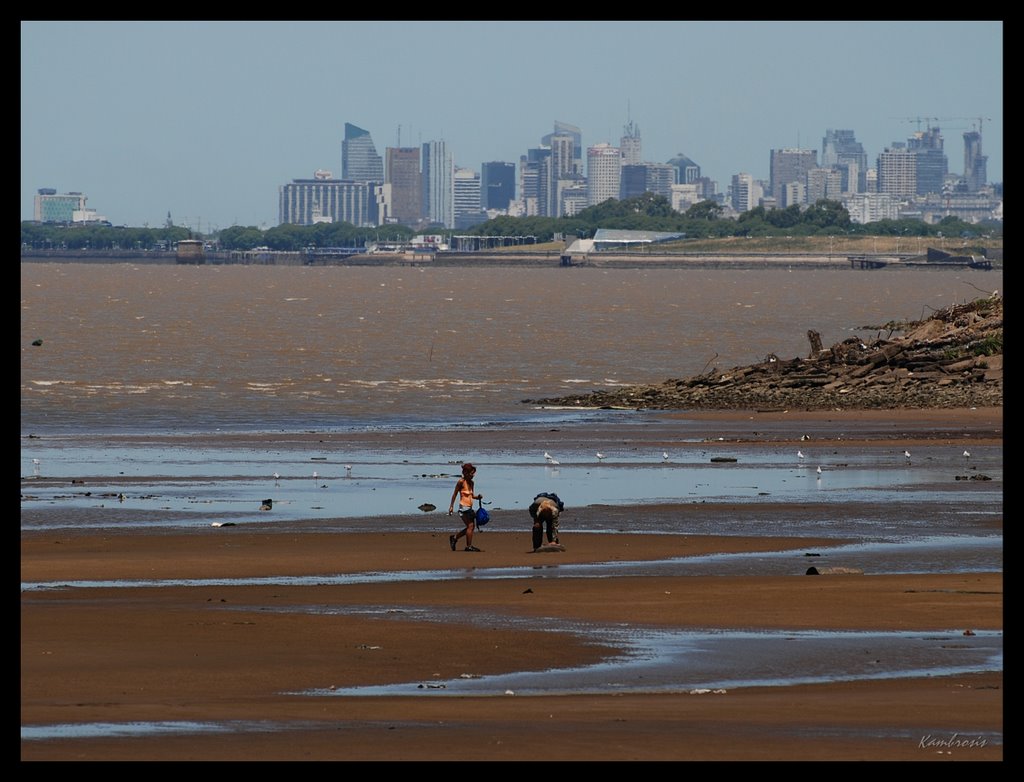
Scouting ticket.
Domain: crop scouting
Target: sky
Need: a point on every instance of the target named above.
(205, 120)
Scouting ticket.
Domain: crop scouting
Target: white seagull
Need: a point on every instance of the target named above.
(799, 454)
(819, 471)
(277, 478)
(907, 454)
(664, 456)
(967, 454)
(549, 458)
(314, 475)
(599, 455)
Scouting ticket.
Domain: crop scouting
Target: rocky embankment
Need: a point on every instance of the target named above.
(952, 359)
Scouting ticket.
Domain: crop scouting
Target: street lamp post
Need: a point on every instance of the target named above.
(830, 248)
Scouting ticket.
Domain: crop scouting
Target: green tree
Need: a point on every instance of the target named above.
(704, 210)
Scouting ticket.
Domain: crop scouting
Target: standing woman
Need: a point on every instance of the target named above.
(464, 492)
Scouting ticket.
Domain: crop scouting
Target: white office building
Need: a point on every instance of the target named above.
(604, 173)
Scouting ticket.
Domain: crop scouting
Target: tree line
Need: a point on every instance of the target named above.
(647, 212)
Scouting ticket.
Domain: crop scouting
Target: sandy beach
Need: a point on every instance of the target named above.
(247, 655)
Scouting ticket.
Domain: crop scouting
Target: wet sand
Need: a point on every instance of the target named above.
(240, 654)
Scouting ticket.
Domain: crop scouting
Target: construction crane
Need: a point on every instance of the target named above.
(915, 120)
(931, 121)
(979, 121)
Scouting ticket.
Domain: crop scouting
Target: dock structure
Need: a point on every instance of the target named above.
(190, 251)
(866, 262)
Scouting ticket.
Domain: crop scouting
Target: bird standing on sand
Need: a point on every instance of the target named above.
(819, 472)
(277, 479)
(799, 454)
(549, 458)
(664, 456)
(599, 455)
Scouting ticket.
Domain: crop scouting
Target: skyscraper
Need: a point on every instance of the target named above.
(975, 163)
(497, 185)
(561, 166)
(403, 174)
(531, 167)
(745, 192)
(466, 199)
(897, 172)
(604, 173)
(787, 166)
(359, 159)
(634, 181)
(438, 183)
(932, 163)
(841, 151)
(565, 129)
(630, 145)
(687, 172)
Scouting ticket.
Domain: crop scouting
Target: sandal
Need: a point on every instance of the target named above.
(472, 548)
(451, 541)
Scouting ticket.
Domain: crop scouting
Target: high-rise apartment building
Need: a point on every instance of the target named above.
(359, 159)
(897, 172)
(975, 163)
(497, 185)
(438, 183)
(824, 183)
(841, 151)
(744, 193)
(787, 166)
(324, 199)
(604, 173)
(403, 174)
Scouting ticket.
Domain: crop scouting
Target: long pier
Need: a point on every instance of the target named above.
(525, 259)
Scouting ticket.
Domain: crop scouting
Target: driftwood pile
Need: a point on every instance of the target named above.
(952, 359)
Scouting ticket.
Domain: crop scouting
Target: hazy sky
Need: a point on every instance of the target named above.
(206, 120)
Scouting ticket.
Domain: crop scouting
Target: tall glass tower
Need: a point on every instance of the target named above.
(359, 159)
(438, 183)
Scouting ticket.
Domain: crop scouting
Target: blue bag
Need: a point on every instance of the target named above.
(482, 516)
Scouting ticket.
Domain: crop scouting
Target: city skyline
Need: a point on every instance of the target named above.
(207, 120)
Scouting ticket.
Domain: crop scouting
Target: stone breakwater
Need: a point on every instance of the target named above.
(953, 359)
